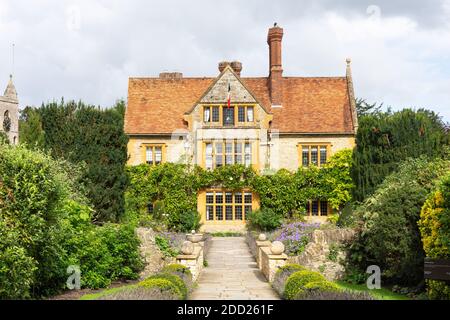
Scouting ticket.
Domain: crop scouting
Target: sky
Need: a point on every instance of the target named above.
(87, 49)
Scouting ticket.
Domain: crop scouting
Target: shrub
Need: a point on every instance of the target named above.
(265, 219)
(298, 280)
(282, 274)
(389, 235)
(316, 286)
(33, 190)
(138, 293)
(176, 280)
(180, 270)
(165, 247)
(16, 273)
(185, 222)
(434, 228)
(165, 287)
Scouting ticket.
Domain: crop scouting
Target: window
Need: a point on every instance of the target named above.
(245, 114)
(317, 208)
(6, 122)
(211, 114)
(207, 114)
(228, 205)
(220, 153)
(316, 155)
(154, 154)
(228, 116)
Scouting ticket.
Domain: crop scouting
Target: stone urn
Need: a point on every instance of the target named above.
(262, 237)
(277, 248)
(194, 237)
(187, 248)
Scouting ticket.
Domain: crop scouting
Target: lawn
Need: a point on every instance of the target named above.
(381, 294)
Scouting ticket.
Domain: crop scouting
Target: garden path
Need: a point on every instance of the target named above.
(232, 274)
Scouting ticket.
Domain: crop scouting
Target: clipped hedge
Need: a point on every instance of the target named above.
(165, 286)
(180, 270)
(297, 282)
(283, 274)
(176, 280)
(316, 286)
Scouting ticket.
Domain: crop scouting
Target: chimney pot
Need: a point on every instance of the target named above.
(235, 65)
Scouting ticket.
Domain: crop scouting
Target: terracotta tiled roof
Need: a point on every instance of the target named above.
(310, 105)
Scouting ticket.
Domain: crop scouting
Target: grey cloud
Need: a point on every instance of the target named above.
(117, 39)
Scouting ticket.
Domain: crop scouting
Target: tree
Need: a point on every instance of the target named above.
(385, 139)
(30, 128)
(94, 137)
(363, 108)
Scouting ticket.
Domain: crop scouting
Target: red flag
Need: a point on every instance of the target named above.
(229, 96)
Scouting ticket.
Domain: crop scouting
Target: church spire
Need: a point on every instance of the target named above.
(10, 91)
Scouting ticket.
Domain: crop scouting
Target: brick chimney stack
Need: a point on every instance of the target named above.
(274, 39)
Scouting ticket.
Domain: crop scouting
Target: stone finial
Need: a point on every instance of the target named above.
(187, 248)
(262, 237)
(349, 61)
(277, 248)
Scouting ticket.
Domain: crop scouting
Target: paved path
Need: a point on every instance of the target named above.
(232, 274)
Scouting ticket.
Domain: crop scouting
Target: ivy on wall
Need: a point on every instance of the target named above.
(285, 192)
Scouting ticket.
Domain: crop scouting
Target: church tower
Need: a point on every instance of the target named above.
(9, 113)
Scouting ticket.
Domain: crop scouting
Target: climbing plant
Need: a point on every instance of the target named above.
(284, 192)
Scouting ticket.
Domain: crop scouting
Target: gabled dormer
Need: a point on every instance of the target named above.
(228, 104)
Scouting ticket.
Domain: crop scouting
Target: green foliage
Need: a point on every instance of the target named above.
(363, 108)
(389, 235)
(284, 193)
(385, 139)
(334, 252)
(165, 247)
(85, 134)
(316, 286)
(165, 286)
(282, 274)
(33, 189)
(3, 138)
(297, 282)
(30, 128)
(176, 280)
(434, 226)
(265, 219)
(178, 268)
(45, 226)
(16, 272)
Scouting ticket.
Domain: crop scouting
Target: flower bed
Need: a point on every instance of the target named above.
(295, 236)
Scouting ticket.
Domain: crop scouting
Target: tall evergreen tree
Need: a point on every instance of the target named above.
(385, 139)
(93, 137)
(30, 128)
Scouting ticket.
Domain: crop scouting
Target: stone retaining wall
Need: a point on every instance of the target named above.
(315, 255)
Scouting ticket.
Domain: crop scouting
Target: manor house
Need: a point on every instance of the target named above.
(269, 123)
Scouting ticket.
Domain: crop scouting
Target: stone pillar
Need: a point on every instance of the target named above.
(260, 245)
(272, 258)
(193, 261)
